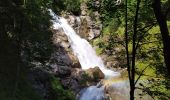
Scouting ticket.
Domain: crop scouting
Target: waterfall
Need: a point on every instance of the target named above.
(86, 56)
(81, 47)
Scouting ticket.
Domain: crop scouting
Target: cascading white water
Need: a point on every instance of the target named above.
(86, 55)
(93, 93)
(81, 47)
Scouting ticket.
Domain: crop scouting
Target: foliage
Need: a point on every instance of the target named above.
(24, 38)
(149, 52)
(107, 9)
(72, 6)
(58, 92)
(36, 35)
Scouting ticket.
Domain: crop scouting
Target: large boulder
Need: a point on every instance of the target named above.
(87, 77)
(95, 74)
(91, 74)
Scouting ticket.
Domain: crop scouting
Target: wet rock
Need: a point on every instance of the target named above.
(65, 45)
(87, 77)
(95, 73)
(76, 65)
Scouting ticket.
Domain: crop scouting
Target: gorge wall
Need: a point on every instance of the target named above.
(64, 63)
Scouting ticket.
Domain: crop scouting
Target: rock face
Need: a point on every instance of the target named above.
(67, 67)
(87, 25)
(63, 55)
(89, 28)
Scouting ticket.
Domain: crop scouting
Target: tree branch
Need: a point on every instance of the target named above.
(141, 74)
(167, 11)
(141, 37)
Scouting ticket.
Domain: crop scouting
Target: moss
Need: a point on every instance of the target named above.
(100, 45)
(99, 51)
(106, 31)
(85, 78)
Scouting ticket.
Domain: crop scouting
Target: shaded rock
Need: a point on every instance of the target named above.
(63, 71)
(77, 74)
(74, 80)
(66, 82)
(75, 86)
(38, 77)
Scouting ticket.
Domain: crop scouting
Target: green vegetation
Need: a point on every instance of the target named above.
(149, 55)
(71, 6)
(58, 92)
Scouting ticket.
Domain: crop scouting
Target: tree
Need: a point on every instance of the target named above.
(131, 62)
(162, 21)
(24, 38)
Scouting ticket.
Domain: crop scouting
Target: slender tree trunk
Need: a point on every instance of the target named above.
(126, 43)
(127, 53)
(131, 64)
(132, 90)
(161, 19)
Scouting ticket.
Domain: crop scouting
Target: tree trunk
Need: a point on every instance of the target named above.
(132, 91)
(131, 63)
(161, 19)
